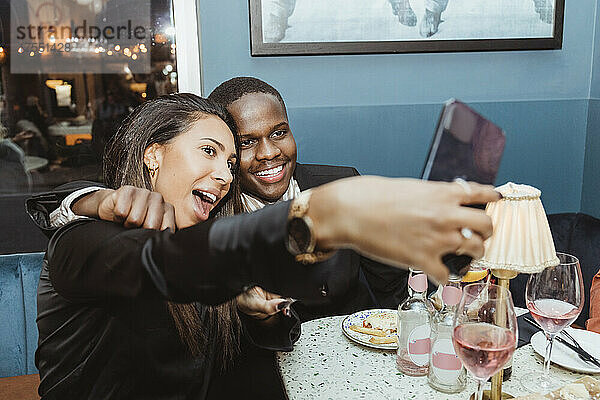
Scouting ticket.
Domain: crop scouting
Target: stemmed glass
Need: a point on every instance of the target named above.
(555, 299)
(485, 330)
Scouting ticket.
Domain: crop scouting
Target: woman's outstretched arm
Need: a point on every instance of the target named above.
(397, 221)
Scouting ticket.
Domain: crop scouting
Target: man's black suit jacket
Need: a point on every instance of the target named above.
(348, 281)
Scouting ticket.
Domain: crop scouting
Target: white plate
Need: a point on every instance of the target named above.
(566, 357)
(357, 319)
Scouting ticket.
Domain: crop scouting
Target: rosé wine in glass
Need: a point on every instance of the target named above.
(553, 315)
(555, 299)
(484, 330)
(483, 348)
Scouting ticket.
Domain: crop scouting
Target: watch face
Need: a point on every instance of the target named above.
(299, 235)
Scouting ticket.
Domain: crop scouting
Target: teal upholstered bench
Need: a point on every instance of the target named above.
(19, 275)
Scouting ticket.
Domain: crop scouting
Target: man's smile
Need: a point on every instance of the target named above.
(271, 175)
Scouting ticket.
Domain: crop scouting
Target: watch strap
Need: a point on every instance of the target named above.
(306, 253)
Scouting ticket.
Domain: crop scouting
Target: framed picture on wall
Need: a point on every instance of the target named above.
(322, 27)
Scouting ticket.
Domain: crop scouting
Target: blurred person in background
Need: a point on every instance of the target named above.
(14, 178)
(593, 323)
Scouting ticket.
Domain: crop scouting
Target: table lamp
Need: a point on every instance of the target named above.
(521, 243)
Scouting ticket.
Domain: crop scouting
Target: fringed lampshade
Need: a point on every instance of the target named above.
(522, 241)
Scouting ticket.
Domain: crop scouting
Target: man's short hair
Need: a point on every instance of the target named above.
(231, 90)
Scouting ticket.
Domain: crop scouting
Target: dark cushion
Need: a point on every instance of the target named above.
(576, 234)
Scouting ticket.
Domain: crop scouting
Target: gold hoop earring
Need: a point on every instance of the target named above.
(153, 171)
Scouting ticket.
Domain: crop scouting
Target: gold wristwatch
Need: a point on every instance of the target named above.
(301, 240)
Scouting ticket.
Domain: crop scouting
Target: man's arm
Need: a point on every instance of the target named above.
(130, 206)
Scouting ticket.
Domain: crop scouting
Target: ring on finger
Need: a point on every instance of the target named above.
(466, 233)
(464, 185)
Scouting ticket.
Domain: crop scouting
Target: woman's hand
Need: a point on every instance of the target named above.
(131, 206)
(402, 221)
(260, 304)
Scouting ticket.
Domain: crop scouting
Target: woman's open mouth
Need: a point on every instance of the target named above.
(271, 175)
(205, 202)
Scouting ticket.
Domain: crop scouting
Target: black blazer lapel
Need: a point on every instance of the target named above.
(311, 175)
(303, 177)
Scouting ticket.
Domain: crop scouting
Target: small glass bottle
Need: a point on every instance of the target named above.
(446, 372)
(414, 316)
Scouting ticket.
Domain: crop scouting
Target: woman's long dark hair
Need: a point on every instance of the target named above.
(159, 121)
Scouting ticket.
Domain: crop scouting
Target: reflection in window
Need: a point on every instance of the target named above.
(57, 116)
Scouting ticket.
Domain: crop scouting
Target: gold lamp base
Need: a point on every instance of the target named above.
(487, 395)
(496, 392)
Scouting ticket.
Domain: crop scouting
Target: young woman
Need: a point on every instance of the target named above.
(103, 334)
(116, 311)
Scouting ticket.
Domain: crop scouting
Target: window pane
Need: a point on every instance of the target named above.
(71, 71)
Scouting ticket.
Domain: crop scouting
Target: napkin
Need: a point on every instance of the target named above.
(526, 330)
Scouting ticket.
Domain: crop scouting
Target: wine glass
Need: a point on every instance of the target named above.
(485, 331)
(555, 299)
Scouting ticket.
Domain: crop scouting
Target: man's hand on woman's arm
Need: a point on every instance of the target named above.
(133, 207)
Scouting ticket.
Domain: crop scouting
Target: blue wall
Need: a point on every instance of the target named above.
(595, 78)
(378, 112)
(590, 196)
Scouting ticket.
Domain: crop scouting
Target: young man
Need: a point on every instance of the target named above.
(269, 173)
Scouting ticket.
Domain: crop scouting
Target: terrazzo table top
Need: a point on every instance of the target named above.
(327, 365)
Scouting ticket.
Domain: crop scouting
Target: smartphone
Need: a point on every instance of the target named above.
(465, 145)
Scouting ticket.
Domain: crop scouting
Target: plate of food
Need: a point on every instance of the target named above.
(566, 357)
(372, 328)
